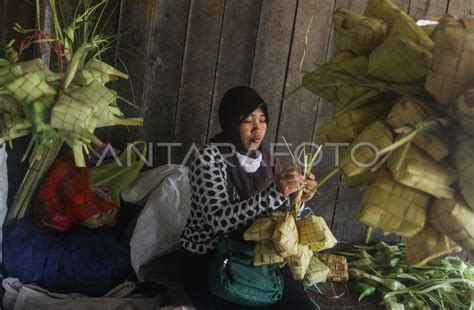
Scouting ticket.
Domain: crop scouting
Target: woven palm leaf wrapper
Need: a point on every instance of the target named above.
(337, 90)
(11, 72)
(464, 162)
(317, 272)
(454, 219)
(347, 126)
(337, 265)
(462, 110)
(96, 70)
(13, 123)
(360, 155)
(356, 180)
(428, 244)
(393, 207)
(285, 236)
(416, 169)
(399, 60)
(261, 229)
(314, 232)
(452, 69)
(265, 253)
(299, 263)
(356, 33)
(409, 111)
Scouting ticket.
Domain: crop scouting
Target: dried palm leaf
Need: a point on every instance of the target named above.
(317, 272)
(285, 236)
(299, 263)
(265, 253)
(464, 162)
(314, 232)
(337, 265)
(462, 110)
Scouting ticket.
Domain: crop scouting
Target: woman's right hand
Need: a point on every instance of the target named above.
(289, 181)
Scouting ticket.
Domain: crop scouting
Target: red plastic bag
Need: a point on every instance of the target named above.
(65, 199)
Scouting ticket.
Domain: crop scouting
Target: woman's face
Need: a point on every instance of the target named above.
(253, 129)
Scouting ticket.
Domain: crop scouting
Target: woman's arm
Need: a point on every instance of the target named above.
(209, 194)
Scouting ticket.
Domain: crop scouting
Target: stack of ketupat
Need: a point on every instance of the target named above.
(404, 103)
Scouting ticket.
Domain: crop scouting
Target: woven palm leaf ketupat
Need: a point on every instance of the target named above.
(285, 236)
(265, 253)
(417, 170)
(317, 272)
(464, 162)
(314, 232)
(363, 151)
(357, 33)
(452, 68)
(347, 126)
(454, 219)
(409, 111)
(428, 244)
(261, 229)
(399, 60)
(393, 207)
(462, 110)
(299, 263)
(337, 265)
(337, 90)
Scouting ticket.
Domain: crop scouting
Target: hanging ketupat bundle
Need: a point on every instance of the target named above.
(454, 219)
(393, 207)
(356, 33)
(464, 162)
(462, 110)
(452, 69)
(410, 111)
(285, 236)
(314, 232)
(399, 60)
(428, 244)
(337, 265)
(347, 126)
(299, 263)
(317, 272)
(417, 170)
(265, 253)
(378, 136)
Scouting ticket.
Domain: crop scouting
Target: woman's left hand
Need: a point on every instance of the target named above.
(309, 188)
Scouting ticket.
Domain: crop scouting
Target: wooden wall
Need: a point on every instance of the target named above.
(182, 55)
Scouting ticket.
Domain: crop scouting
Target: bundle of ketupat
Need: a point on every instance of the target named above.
(347, 126)
(452, 69)
(338, 269)
(314, 232)
(464, 162)
(299, 263)
(454, 219)
(428, 244)
(410, 111)
(266, 253)
(411, 167)
(462, 110)
(317, 272)
(393, 207)
(356, 33)
(361, 154)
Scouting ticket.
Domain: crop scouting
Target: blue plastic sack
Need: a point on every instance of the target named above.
(90, 262)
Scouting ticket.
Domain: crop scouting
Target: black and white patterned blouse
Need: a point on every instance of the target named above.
(215, 211)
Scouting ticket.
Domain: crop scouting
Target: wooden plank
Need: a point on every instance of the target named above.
(136, 20)
(420, 9)
(3, 18)
(271, 56)
(164, 71)
(24, 13)
(197, 77)
(461, 7)
(237, 47)
(404, 5)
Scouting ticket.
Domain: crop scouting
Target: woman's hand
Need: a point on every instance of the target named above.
(289, 181)
(309, 189)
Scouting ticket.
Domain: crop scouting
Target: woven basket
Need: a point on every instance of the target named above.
(357, 33)
(265, 253)
(285, 236)
(337, 265)
(317, 272)
(399, 60)
(299, 263)
(261, 229)
(419, 171)
(452, 69)
(428, 244)
(314, 232)
(464, 162)
(409, 111)
(462, 110)
(393, 207)
(454, 219)
(379, 136)
(347, 126)
(335, 89)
